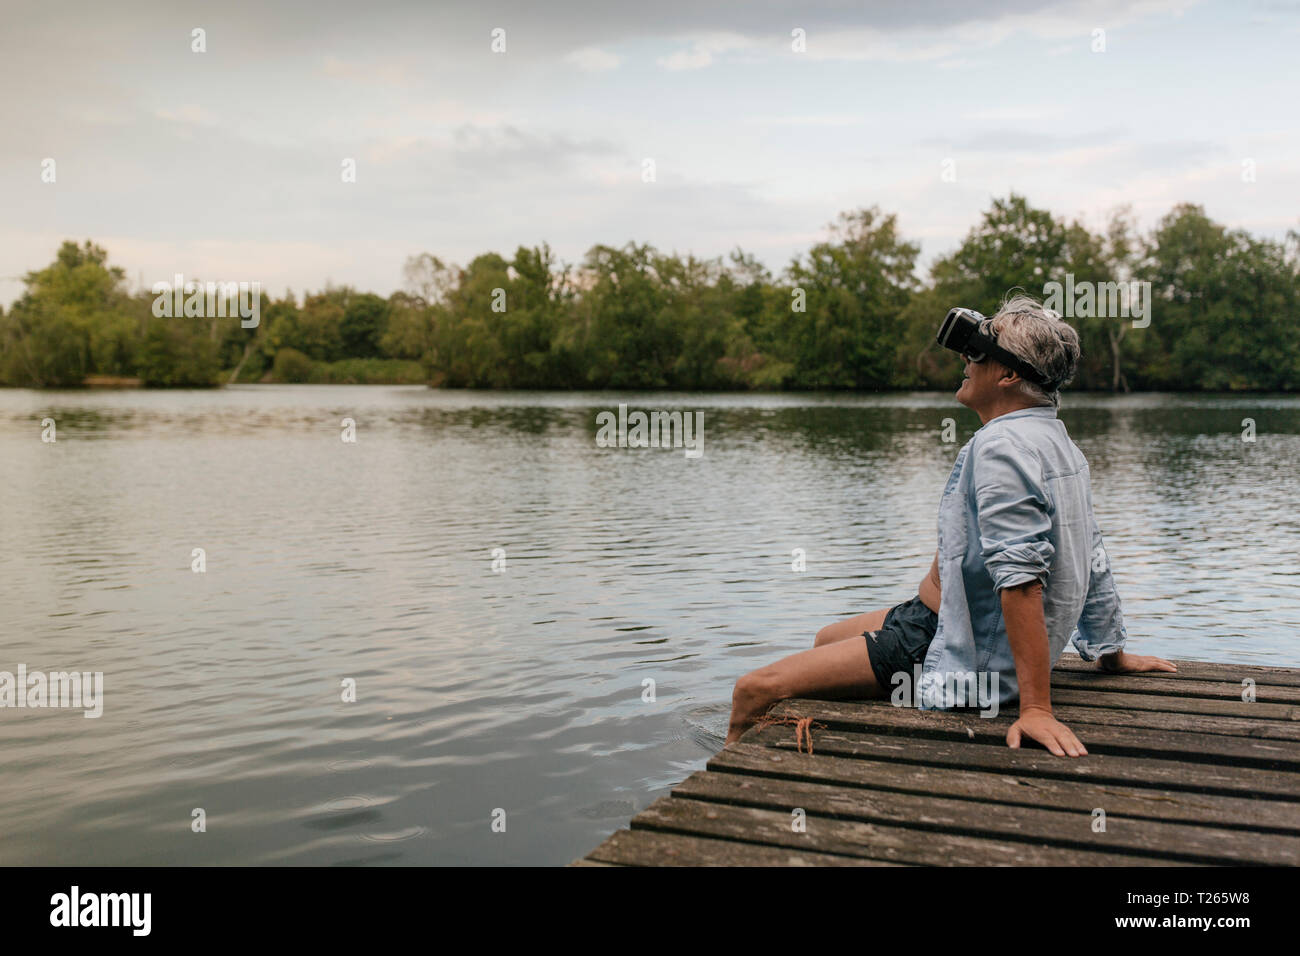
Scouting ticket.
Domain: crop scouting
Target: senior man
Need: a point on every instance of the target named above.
(1020, 570)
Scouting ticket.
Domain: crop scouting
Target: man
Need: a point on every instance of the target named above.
(1020, 569)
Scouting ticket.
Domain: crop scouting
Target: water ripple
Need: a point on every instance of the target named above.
(515, 690)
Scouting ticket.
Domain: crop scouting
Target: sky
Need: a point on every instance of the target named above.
(228, 164)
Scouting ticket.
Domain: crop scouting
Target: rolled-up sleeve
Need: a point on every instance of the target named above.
(1014, 514)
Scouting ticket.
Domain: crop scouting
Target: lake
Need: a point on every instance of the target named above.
(500, 591)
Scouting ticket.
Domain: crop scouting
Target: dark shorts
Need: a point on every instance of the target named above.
(901, 642)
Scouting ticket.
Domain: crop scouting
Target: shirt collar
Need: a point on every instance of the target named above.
(1034, 411)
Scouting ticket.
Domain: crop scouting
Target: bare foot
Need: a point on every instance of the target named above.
(750, 700)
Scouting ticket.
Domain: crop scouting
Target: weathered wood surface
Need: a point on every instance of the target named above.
(1187, 767)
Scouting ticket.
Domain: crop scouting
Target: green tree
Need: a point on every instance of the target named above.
(178, 353)
(857, 285)
(292, 366)
(364, 321)
(628, 336)
(73, 319)
(1112, 256)
(1013, 246)
(317, 329)
(467, 351)
(1225, 308)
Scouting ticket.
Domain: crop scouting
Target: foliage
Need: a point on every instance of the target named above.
(291, 366)
(851, 312)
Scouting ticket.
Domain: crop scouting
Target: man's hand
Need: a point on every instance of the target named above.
(1039, 724)
(1022, 609)
(1121, 663)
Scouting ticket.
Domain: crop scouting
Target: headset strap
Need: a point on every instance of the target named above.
(991, 348)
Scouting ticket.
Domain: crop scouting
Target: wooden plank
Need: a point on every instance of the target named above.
(656, 848)
(1169, 704)
(1201, 670)
(1262, 816)
(1185, 770)
(1166, 684)
(873, 841)
(1187, 842)
(1187, 723)
(881, 717)
(1038, 763)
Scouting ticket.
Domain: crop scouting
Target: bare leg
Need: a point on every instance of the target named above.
(854, 626)
(831, 671)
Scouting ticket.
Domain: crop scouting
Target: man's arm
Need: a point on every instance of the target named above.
(1022, 611)
(1013, 513)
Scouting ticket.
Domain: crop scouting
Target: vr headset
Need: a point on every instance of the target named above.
(968, 333)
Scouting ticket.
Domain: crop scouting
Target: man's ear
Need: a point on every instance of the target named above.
(1008, 378)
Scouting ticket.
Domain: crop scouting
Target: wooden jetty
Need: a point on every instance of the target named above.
(1187, 768)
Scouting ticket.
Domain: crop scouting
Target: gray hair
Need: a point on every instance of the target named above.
(1036, 334)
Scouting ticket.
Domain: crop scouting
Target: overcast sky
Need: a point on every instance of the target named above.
(226, 164)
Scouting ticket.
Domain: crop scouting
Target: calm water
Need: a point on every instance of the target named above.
(519, 689)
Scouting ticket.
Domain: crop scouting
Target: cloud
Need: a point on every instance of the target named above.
(1013, 114)
(958, 35)
(702, 50)
(838, 119)
(229, 162)
(191, 114)
(1022, 140)
(377, 70)
(593, 59)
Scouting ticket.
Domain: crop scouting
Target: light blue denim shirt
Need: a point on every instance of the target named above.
(1017, 508)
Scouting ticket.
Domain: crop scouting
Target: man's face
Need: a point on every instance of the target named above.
(979, 388)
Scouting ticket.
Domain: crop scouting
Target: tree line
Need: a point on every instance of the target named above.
(850, 313)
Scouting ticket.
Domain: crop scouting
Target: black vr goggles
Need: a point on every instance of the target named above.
(968, 333)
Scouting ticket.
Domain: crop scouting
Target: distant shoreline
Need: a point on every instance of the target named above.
(118, 382)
